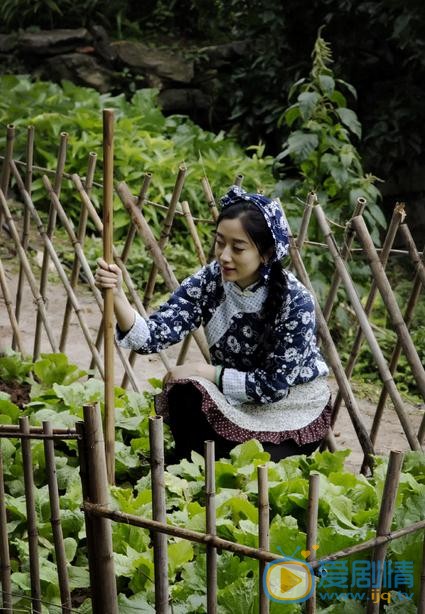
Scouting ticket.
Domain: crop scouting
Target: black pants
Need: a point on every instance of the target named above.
(190, 429)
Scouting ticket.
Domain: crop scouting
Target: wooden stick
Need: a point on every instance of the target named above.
(31, 516)
(364, 323)
(224, 544)
(414, 254)
(408, 317)
(26, 222)
(102, 572)
(263, 532)
(331, 353)
(311, 200)
(90, 279)
(49, 233)
(5, 568)
(239, 179)
(386, 513)
(312, 516)
(397, 218)
(28, 273)
(57, 263)
(210, 198)
(126, 277)
(391, 304)
(9, 307)
(152, 247)
(81, 233)
(5, 171)
(345, 254)
(108, 293)
(201, 257)
(165, 234)
(55, 519)
(159, 513)
(210, 511)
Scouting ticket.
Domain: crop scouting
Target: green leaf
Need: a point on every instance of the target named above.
(327, 84)
(179, 553)
(349, 119)
(307, 102)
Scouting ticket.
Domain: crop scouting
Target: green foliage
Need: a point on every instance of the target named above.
(348, 506)
(318, 154)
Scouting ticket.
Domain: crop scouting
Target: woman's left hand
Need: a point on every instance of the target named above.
(188, 370)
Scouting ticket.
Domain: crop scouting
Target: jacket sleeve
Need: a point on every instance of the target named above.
(180, 315)
(295, 359)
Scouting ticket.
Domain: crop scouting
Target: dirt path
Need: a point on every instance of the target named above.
(391, 436)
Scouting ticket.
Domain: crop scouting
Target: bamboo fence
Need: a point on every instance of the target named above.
(32, 284)
(99, 515)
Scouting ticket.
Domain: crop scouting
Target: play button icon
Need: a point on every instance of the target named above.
(288, 580)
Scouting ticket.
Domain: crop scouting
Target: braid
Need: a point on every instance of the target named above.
(272, 306)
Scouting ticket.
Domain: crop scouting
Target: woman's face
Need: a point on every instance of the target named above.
(236, 254)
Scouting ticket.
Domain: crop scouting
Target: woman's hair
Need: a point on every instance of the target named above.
(255, 225)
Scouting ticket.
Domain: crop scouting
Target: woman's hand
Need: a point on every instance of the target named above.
(108, 276)
(188, 370)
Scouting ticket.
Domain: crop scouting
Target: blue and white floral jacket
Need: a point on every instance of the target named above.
(232, 321)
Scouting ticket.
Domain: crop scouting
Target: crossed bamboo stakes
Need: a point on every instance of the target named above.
(135, 205)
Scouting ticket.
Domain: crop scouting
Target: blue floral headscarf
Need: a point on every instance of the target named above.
(272, 212)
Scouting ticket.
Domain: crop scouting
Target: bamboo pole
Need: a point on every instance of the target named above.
(152, 247)
(126, 251)
(165, 233)
(224, 544)
(61, 563)
(28, 273)
(5, 171)
(345, 254)
(263, 532)
(102, 572)
(239, 179)
(396, 219)
(108, 293)
(57, 263)
(413, 252)
(126, 277)
(408, 317)
(386, 513)
(159, 513)
(331, 353)
(31, 517)
(26, 222)
(49, 233)
(82, 261)
(312, 516)
(203, 261)
(210, 511)
(391, 304)
(311, 200)
(5, 568)
(81, 233)
(367, 330)
(9, 307)
(210, 198)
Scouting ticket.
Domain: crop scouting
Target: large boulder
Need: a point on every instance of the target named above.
(163, 63)
(183, 100)
(79, 68)
(53, 42)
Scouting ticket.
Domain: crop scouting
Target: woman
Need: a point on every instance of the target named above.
(267, 379)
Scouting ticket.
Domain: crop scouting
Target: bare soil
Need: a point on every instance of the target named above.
(390, 437)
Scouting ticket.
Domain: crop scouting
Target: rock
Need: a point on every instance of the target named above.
(217, 55)
(53, 42)
(8, 43)
(79, 68)
(161, 62)
(183, 100)
(102, 44)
